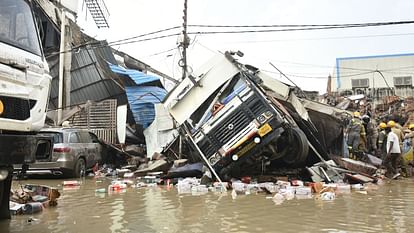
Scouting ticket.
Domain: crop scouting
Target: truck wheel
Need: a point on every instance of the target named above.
(225, 174)
(297, 150)
(80, 168)
(5, 187)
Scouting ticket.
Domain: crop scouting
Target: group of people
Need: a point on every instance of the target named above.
(384, 141)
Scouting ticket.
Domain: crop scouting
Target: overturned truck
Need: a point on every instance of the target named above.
(243, 121)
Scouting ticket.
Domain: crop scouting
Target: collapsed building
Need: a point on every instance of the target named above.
(98, 81)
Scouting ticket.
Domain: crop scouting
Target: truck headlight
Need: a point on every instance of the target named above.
(3, 174)
(268, 114)
(235, 157)
(1, 107)
(262, 118)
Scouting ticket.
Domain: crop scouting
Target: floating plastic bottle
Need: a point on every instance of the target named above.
(32, 208)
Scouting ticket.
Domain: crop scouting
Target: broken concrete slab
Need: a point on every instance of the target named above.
(157, 165)
(358, 178)
(356, 166)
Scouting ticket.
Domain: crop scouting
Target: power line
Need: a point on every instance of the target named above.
(304, 25)
(322, 38)
(343, 74)
(323, 66)
(320, 77)
(305, 28)
(145, 34)
(158, 53)
(130, 40)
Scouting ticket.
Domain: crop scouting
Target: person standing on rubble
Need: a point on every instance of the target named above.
(372, 134)
(382, 137)
(396, 128)
(392, 158)
(410, 135)
(356, 133)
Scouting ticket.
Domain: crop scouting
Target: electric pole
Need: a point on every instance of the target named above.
(184, 45)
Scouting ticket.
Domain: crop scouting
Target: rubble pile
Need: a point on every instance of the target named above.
(33, 199)
(326, 181)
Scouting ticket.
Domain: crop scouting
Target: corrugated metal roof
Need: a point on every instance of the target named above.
(91, 77)
(141, 101)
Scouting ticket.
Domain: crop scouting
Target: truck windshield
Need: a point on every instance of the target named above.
(17, 26)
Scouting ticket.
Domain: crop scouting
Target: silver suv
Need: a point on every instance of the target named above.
(74, 152)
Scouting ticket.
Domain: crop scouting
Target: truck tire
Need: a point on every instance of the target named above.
(5, 187)
(297, 150)
(79, 169)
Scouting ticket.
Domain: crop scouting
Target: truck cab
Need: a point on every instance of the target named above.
(236, 126)
(24, 92)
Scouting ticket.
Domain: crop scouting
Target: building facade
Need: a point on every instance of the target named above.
(374, 76)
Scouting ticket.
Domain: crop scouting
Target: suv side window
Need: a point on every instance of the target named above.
(94, 138)
(74, 137)
(85, 137)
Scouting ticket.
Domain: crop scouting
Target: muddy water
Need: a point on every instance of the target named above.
(388, 209)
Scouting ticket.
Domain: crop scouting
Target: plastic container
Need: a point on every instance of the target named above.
(32, 208)
(102, 190)
(328, 196)
(150, 179)
(343, 188)
(239, 187)
(357, 186)
(117, 187)
(271, 187)
(71, 183)
(304, 191)
(296, 183)
(184, 187)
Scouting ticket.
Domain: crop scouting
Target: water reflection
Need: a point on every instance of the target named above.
(157, 209)
(117, 216)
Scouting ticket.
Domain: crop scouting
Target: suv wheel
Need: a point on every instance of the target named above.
(80, 168)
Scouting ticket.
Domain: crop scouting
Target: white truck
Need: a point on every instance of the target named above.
(24, 91)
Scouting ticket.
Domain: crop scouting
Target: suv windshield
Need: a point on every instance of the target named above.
(17, 26)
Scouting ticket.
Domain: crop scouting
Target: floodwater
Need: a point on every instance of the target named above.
(158, 209)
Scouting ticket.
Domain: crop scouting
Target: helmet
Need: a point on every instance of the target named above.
(357, 114)
(391, 124)
(365, 118)
(411, 126)
(382, 125)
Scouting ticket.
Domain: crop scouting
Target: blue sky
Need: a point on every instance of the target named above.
(308, 57)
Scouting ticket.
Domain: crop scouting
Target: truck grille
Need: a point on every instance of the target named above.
(207, 147)
(16, 108)
(234, 123)
(256, 105)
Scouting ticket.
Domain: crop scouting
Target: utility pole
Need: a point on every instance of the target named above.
(184, 45)
(61, 65)
(65, 63)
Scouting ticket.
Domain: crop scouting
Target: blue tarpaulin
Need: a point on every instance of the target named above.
(141, 98)
(137, 76)
(141, 101)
